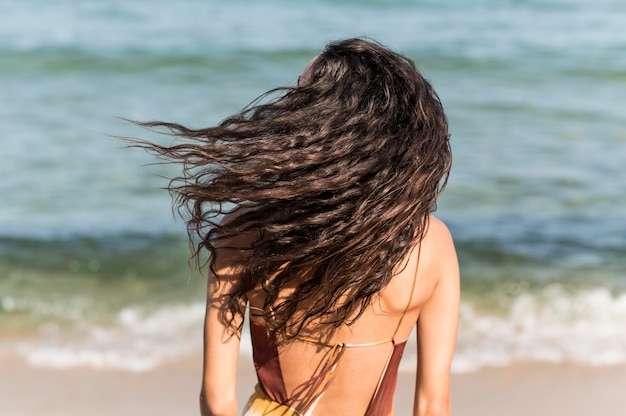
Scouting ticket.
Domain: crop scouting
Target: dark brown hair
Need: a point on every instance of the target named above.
(337, 175)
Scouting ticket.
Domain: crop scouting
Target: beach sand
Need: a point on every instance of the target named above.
(172, 389)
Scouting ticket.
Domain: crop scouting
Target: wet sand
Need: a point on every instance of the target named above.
(172, 389)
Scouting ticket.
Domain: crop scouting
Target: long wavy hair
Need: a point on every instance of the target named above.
(338, 176)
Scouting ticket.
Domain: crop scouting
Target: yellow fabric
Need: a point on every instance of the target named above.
(261, 405)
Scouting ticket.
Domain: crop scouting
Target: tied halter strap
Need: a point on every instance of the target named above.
(305, 396)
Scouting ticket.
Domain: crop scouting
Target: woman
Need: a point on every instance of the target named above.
(316, 208)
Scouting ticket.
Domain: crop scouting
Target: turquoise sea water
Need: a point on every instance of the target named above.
(93, 265)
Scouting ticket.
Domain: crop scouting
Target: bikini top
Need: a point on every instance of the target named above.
(303, 397)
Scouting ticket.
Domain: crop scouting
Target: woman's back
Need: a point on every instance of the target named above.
(353, 369)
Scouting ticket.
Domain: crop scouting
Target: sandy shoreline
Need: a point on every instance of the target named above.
(172, 389)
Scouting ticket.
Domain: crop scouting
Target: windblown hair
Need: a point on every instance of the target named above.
(337, 177)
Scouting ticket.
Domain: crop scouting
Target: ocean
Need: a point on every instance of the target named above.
(93, 263)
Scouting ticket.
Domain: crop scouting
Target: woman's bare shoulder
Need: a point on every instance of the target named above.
(437, 237)
(437, 228)
(229, 245)
(438, 256)
(240, 240)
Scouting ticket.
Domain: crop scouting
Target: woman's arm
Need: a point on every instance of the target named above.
(218, 395)
(221, 352)
(437, 325)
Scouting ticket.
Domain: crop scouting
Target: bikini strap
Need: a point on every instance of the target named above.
(345, 344)
(408, 305)
(393, 337)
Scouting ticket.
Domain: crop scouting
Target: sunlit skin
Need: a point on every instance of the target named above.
(433, 312)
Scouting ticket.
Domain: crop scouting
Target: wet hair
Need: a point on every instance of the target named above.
(337, 177)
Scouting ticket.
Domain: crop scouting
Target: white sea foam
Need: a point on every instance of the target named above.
(586, 327)
(140, 341)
